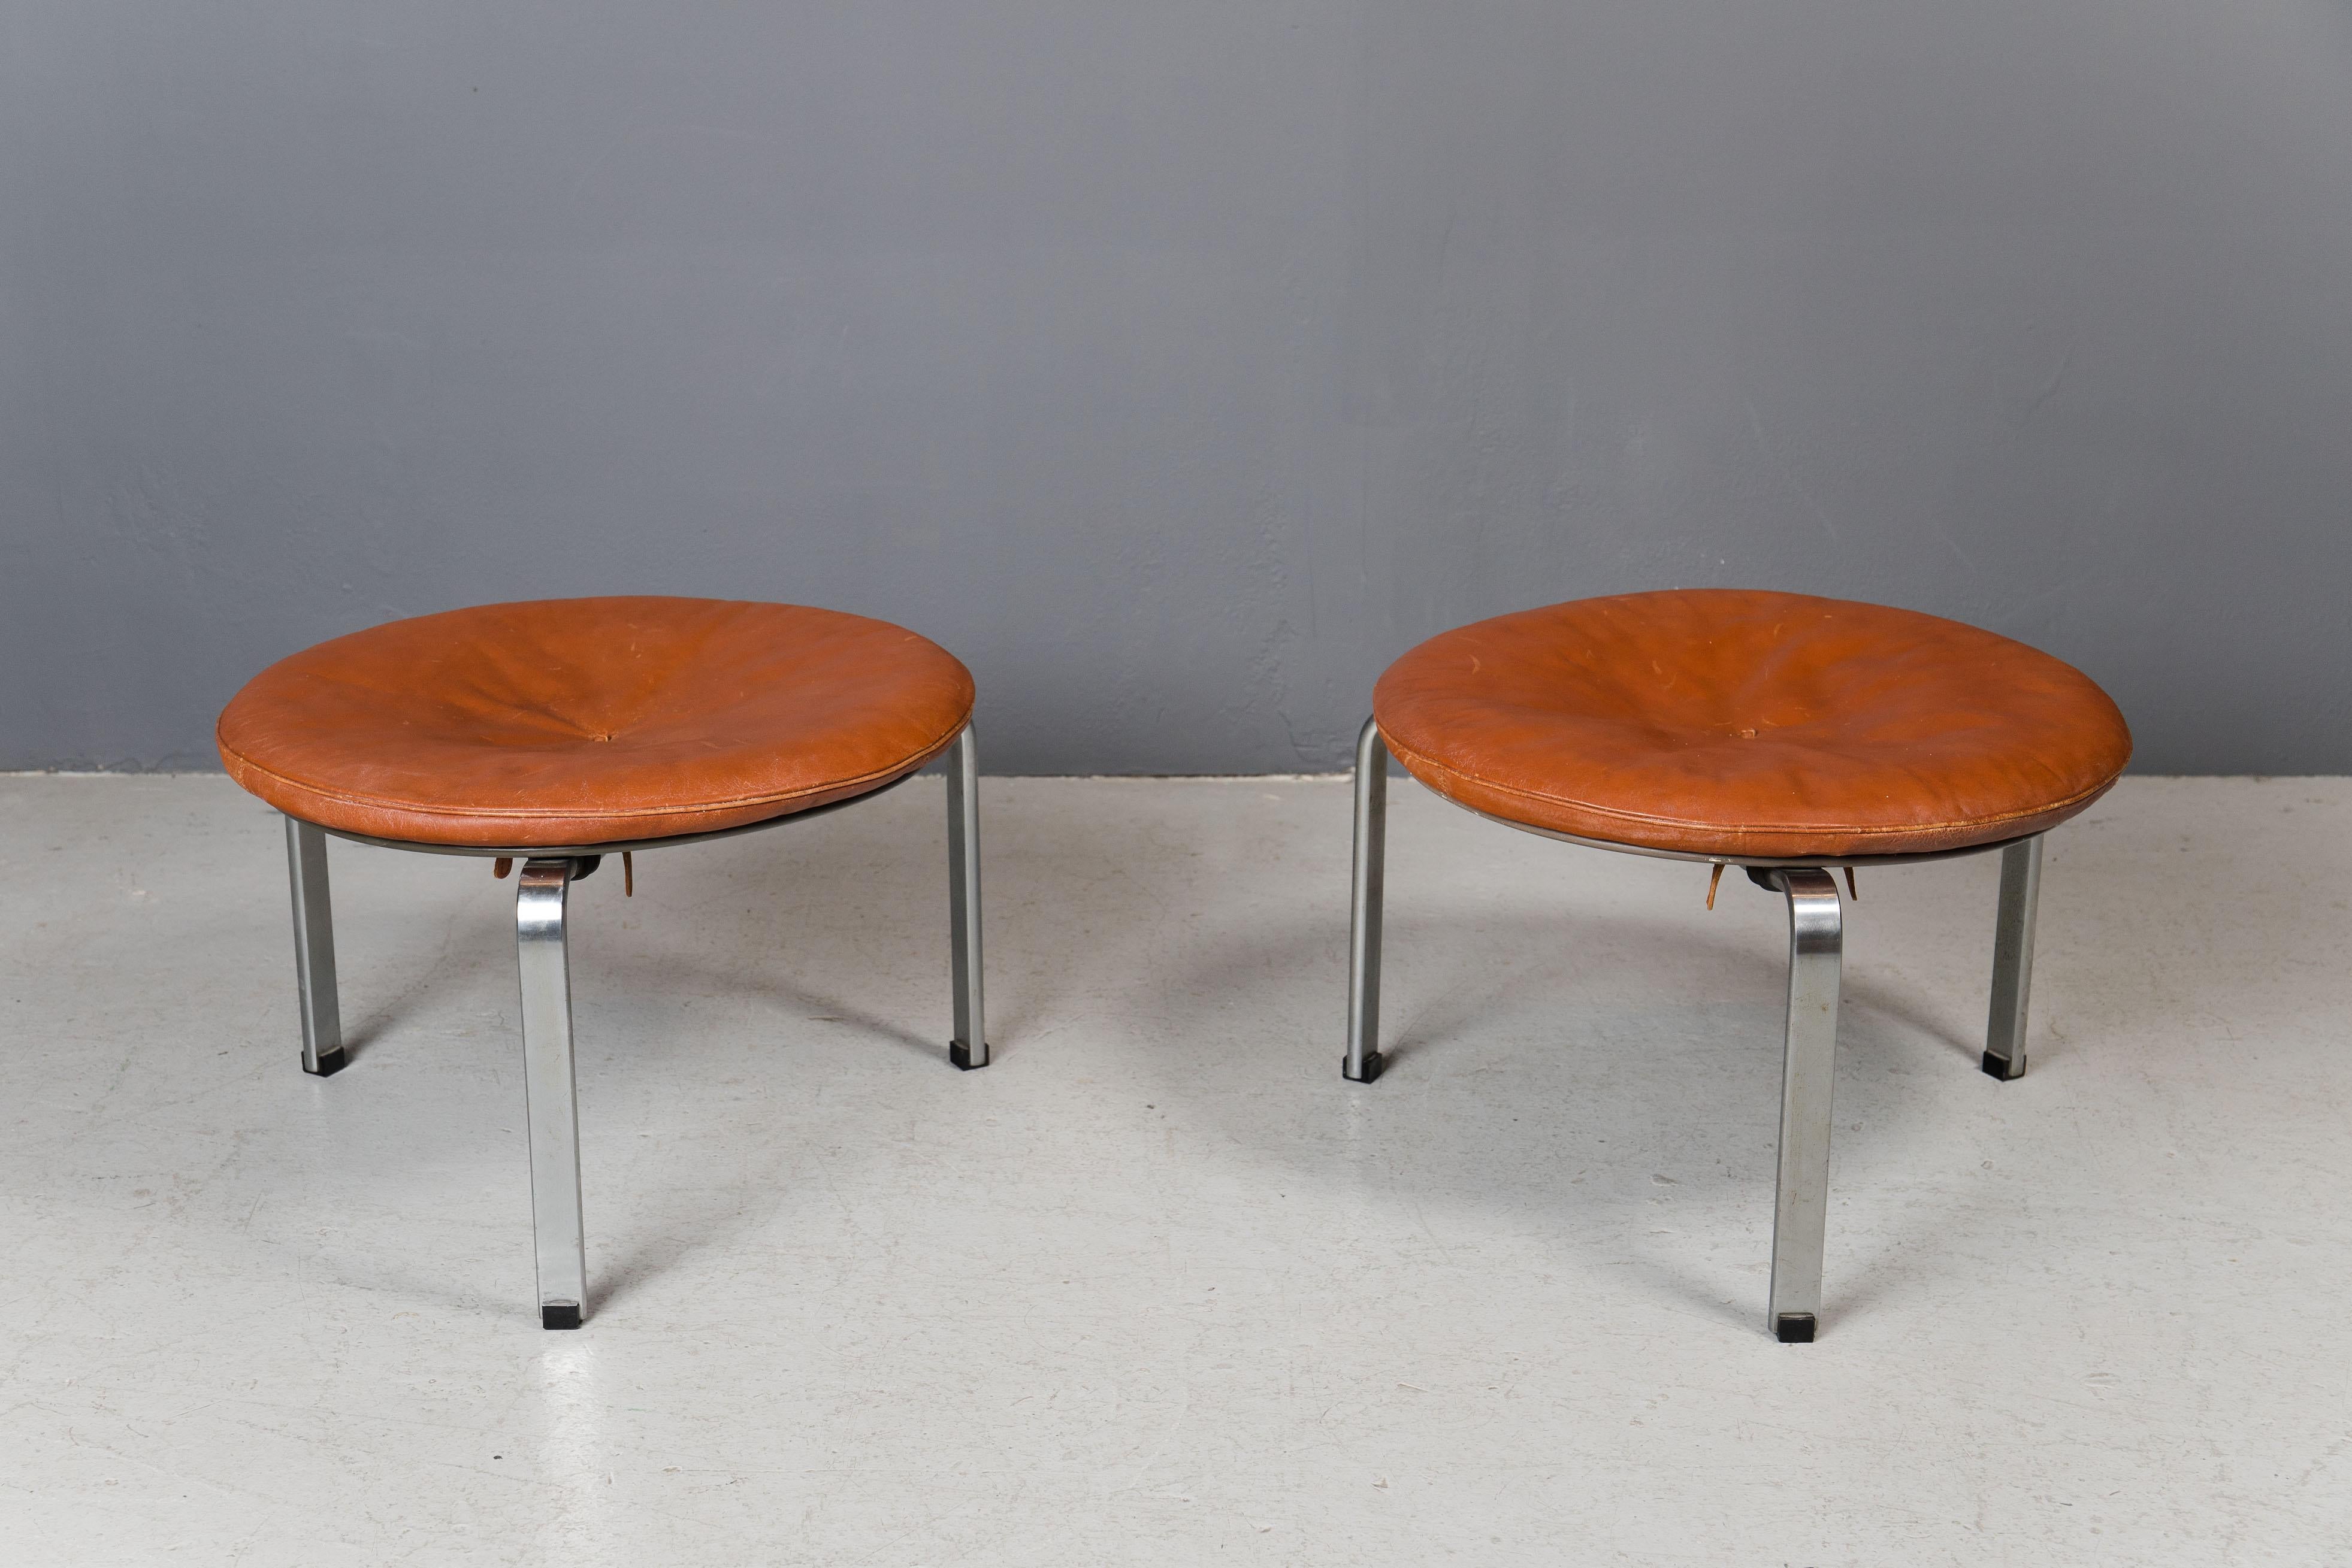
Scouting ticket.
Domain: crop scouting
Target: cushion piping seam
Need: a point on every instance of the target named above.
(1409, 757)
(379, 802)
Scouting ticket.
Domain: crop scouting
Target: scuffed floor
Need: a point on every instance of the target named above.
(1158, 1287)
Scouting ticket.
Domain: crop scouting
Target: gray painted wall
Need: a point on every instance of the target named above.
(1176, 363)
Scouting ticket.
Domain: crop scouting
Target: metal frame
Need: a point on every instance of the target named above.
(1801, 1202)
(314, 949)
(551, 1101)
(1364, 1061)
(2012, 959)
(1816, 946)
(543, 968)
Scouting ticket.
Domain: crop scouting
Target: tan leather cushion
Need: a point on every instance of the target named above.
(1728, 723)
(581, 721)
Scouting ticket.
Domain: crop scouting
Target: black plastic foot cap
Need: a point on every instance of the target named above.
(1996, 1067)
(960, 1055)
(1374, 1062)
(1794, 1328)
(559, 1314)
(331, 1063)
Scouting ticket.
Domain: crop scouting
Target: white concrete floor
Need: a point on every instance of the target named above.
(1157, 1287)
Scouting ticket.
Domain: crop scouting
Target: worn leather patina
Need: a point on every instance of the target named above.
(1726, 723)
(584, 721)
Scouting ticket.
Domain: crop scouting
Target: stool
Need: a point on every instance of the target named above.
(1780, 733)
(559, 732)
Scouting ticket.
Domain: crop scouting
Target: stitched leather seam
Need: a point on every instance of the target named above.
(383, 803)
(1409, 757)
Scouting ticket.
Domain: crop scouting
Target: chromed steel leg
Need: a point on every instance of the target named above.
(968, 1049)
(314, 949)
(550, 1100)
(1800, 1211)
(1363, 1061)
(970, 1044)
(2013, 957)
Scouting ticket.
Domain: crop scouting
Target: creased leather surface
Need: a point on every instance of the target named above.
(579, 721)
(1726, 722)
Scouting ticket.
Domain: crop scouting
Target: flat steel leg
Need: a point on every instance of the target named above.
(1363, 1061)
(1800, 1211)
(968, 1049)
(314, 949)
(2013, 957)
(551, 1103)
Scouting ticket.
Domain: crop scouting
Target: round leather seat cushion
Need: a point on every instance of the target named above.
(1727, 723)
(585, 721)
